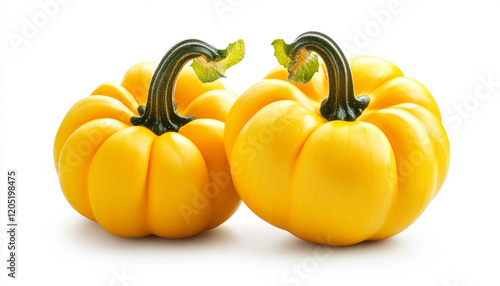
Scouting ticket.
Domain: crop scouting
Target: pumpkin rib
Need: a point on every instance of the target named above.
(85, 110)
(112, 214)
(199, 140)
(209, 206)
(213, 104)
(396, 191)
(181, 190)
(136, 80)
(377, 64)
(419, 112)
(79, 132)
(118, 92)
(289, 109)
(147, 192)
(256, 99)
(418, 203)
(421, 95)
(294, 171)
(88, 170)
(188, 84)
(350, 130)
(403, 106)
(280, 73)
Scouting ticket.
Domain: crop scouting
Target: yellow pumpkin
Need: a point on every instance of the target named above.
(354, 154)
(138, 163)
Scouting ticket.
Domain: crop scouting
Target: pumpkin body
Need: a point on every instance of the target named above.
(135, 183)
(338, 182)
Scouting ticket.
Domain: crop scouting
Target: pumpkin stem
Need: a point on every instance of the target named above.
(341, 104)
(160, 114)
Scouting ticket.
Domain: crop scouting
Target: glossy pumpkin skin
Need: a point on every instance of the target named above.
(135, 183)
(338, 182)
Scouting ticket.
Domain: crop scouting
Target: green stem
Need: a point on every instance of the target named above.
(341, 104)
(160, 114)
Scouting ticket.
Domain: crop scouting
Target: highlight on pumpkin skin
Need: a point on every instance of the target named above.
(315, 160)
(135, 181)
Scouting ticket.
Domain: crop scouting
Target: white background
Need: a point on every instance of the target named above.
(449, 46)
